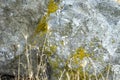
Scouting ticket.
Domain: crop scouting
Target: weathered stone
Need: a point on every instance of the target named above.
(93, 25)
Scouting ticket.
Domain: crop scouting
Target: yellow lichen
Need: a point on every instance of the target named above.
(52, 6)
(80, 53)
(42, 26)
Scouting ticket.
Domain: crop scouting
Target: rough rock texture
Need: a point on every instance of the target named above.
(18, 19)
(91, 24)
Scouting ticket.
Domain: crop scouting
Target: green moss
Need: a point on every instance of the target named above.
(49, 51)
(53, 48)
(62, 43)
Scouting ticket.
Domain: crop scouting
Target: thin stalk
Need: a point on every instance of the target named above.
(62, 74)
(84, 73)
(78, 78)
(108, 71)
(39, 66)
(93, 67)
(19, 68)
(68, 76)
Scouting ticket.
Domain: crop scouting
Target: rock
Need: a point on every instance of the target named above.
(18, 19)
(90, 25)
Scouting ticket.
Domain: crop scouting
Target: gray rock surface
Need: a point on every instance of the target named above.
(18, 19)
(91, 24)
(81, 23)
